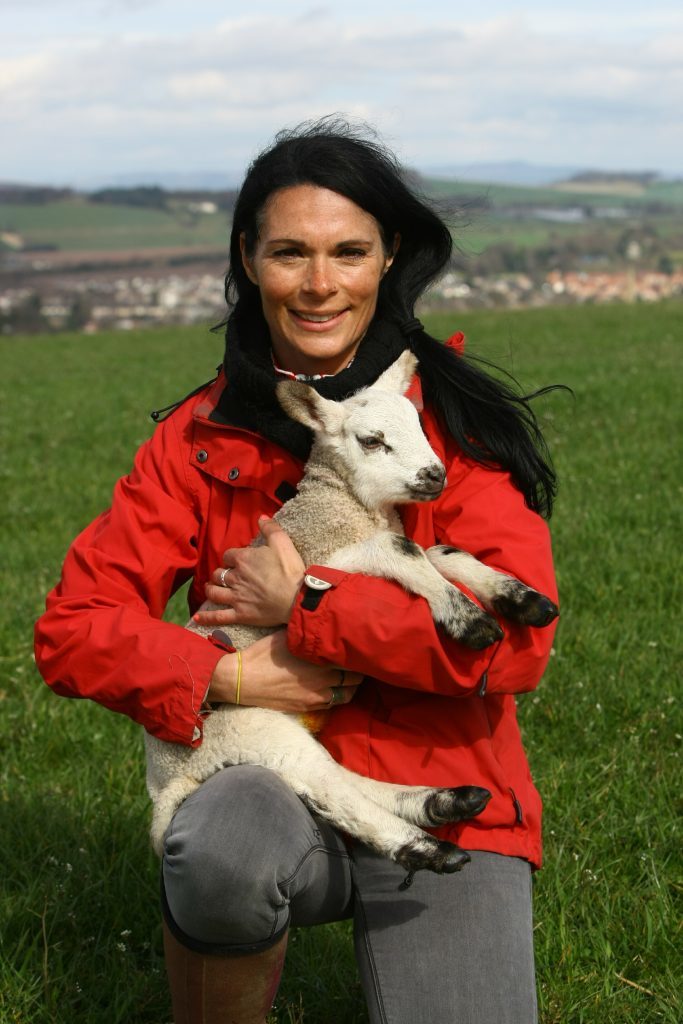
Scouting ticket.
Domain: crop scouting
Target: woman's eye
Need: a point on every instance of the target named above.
(353, 254)
(283, 254)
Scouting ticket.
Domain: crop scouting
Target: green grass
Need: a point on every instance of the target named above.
(79, 923)
(487, 229)
(76, 224)
(670, 192)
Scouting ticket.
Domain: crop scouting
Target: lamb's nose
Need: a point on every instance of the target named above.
(436, 473)
(433, 477)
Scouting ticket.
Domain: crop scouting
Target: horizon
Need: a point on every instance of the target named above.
(514, 173)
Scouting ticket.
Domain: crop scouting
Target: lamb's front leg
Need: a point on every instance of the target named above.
(501, 594)
(395, 557)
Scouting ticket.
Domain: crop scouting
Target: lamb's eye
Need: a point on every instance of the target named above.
(370, 443)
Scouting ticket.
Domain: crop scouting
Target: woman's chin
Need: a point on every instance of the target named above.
(315, 354)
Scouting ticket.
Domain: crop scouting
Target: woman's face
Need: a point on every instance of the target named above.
(318, 263)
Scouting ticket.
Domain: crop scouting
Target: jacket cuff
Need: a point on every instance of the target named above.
(318, 581)
(320, 630)
(185, 724)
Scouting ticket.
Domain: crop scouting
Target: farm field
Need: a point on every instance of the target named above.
(563, 194)
(80, 935)
(78, 224)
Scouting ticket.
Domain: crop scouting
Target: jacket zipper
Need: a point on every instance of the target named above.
(518, 807)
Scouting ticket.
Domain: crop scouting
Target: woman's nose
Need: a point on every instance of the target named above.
(319, 278)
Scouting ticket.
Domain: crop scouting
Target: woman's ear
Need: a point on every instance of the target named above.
(246, 261)
(391, 256)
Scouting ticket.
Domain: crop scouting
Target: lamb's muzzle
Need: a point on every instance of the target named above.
(430, 483)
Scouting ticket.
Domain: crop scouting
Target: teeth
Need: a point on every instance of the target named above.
(317, 318)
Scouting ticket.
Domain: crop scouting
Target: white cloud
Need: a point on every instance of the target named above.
(488, 89)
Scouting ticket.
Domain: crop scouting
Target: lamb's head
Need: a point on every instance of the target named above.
(373, 439)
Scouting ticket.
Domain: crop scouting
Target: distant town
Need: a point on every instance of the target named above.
(123, 258)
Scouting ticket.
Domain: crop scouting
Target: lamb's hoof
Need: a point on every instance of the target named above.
(454, 859)
(449, 805)
(527, 607)
(440, 856)
(481, 632)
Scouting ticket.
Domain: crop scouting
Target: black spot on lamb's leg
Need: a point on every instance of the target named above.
(481, 632)
(431, 854)
(448, 805)
(526, 606)
(406, 546)
(466, 622)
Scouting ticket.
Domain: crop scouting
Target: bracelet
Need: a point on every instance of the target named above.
(239, 676)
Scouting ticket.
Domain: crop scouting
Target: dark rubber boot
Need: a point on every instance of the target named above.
(222, 989)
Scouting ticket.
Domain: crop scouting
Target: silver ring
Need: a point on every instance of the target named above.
(337, 696)
(224, 573)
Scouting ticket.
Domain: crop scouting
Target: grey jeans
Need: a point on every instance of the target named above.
(245, 859)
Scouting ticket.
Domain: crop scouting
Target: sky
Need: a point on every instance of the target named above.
(94, 89)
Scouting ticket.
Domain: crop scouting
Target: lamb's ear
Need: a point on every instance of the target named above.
(303, 404)
(399, 375)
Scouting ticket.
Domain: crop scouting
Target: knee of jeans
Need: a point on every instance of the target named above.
(222, 864)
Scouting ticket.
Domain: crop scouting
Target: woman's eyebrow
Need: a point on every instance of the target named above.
(299, 241)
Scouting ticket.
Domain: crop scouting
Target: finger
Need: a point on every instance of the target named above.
(348, 678)
(217, 594)
(340, 695)
(221, 577)
(278, 539)
(269, 527)
(215, 617)
(230, 557)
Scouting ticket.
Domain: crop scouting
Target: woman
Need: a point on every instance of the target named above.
(330, 250)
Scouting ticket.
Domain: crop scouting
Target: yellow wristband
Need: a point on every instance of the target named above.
(239, 676)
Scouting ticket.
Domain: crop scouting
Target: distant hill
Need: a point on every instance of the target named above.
(181, 181)
(509, 173)
(519, 173)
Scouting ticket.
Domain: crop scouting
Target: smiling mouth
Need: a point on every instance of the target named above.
(316, 319)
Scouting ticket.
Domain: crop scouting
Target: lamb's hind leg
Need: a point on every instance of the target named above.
(502, 594)
(425, 805)
(333, 793)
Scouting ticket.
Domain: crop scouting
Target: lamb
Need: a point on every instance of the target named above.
(369, 454)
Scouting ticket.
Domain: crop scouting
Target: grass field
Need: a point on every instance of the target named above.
(80, 938)
(76, 224)
(670, 192)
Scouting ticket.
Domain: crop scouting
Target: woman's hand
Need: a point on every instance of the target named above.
(258, 585)
(274, 678)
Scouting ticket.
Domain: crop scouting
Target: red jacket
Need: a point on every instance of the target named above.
(430, 712)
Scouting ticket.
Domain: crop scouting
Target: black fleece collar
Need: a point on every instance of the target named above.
(248, 399)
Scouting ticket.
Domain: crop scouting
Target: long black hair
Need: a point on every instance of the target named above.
(490, 420)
